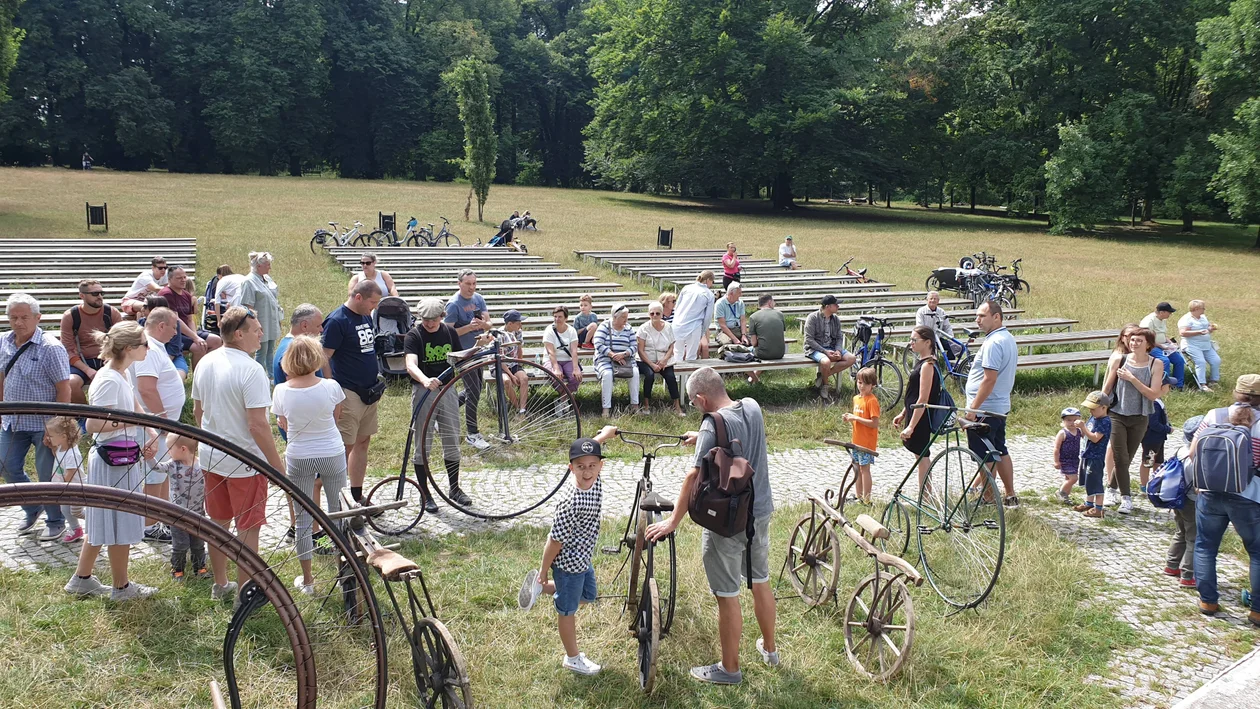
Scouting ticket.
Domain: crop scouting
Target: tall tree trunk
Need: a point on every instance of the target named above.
(951, 198)
(295, 166)
(1148, 206)
(1257, 244)
(888, 198)
(1133, 212)
(781, 193)
(973, 199)
(870, 194)
(1187, 221)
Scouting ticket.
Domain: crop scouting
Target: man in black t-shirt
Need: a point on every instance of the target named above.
(426, 347)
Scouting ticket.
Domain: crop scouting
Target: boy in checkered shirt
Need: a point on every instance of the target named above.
(570, 547)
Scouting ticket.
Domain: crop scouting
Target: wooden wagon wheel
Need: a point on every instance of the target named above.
(879, 629)
(440, 668)
(649, 634)
(813, 561)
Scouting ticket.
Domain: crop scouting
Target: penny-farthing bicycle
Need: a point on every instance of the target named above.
(523, 434)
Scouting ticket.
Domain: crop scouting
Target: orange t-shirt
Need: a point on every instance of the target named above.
(866, 407)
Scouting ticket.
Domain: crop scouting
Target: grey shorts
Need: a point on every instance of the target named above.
(724, 559)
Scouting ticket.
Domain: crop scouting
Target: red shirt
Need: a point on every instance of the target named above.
(181, 303)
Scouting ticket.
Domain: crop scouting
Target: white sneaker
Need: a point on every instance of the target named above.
(1111, 497)
(581, 665)
(1126, 505)
(477, 441)
(304, 588)
(530, 590)
(131, 592)
(770, 658)
(89, 586)
(219, 593)
(562, 407)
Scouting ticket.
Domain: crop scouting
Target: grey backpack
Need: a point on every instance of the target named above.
(1222, 458)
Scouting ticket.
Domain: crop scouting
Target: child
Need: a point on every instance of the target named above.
(1098, 434)
(865, 420)
(62, 434)
(188, 490)
(1067, 451)
(1243, 416)
(586, 322)
(1181, 552)
(570, 547)
(1157, 430)
(515, 379)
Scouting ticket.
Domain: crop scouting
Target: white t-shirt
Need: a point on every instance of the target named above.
(140, 286)
(70, 459)
(561, 341)
(170, 386)
(312, 430)
(227, 382)
(656, 342)
(113, 390)
(229, 291)
(787, 252)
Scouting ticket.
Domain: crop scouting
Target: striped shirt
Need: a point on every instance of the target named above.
(609, 342)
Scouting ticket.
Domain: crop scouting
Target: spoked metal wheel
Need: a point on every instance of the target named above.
(441, 673)
(517, 463)
(317, 240)
(962, 529)
(896, 519)
(392, 489)
(648, 632)
(664, 570)
(890, 383)
(879, 627)
(451, 240)
(961, 371)
(813, 560)
(932, 283)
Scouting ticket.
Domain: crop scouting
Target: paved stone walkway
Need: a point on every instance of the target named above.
(1181, 649)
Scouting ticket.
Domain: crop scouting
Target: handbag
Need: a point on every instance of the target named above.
(623, 371)
(373, 394)
(119, 453)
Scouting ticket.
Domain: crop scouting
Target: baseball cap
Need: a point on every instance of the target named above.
(1093, 400)
(585, 446)
(1069, 411)
(431, 308)
(788, 237)
(1248, 384)
(512, 316)
(1191, 426)
(829, 299)
(1165, 307)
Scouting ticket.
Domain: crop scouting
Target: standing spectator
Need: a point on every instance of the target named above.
(146, 284)
(1119, 353)
(188, 490)
(1134, 383)
(692, 317)
(1196, 337)
(260, 294)
(923, 386)
(1216, 510)
(731, 319)
(586, 322)
(724, 557)
(468, 314)
(766, 329)
(308, 407)
(787, 254)
(1180, 563)
(350, 346)
(86, 160)
(197, 342)
(561, 343)
(989, 386)
(62, 436)
(231, 398)
(305, 320)
(730, 266)
(667, 301)
(1067, 451)
(1165, 348)
(865, 421)
(210, 300)
(1097, 432)
(656, 357)
(228, 292)
(159, 391)
(124, 345)
(615, 345)
(79, 326)
(370, 272)
(824, 343)
(33, 367)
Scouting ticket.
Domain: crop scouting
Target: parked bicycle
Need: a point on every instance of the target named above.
(347, 237)
(859, 274)
(426, 237)
(890, 381)
(984, 286)
(952, 355)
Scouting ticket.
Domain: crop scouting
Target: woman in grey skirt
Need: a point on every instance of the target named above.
(308, 408)
(113, 388)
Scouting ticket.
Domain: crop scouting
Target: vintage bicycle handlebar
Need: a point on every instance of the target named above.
(677, 440)
(978, 412)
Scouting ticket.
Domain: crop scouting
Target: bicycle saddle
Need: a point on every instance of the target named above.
(861, 271)
(332, 224)
(653, 502)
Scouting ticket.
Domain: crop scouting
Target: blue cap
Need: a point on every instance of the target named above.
(1190, 427)
(512, 316)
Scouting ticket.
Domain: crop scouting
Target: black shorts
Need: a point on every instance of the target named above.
(93, 363)
(995, 434)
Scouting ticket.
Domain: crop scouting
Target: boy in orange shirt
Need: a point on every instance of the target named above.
(865, 420)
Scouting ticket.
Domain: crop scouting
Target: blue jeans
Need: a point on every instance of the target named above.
(1174, 365)
(1205, 360)
(14, 446)
(266, 355)
(1213, 514)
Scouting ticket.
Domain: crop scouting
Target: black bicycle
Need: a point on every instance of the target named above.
(425, 237)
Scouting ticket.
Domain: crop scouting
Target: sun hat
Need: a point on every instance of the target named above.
(1248, 384)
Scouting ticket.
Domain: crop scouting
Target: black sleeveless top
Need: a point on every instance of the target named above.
(912, 389)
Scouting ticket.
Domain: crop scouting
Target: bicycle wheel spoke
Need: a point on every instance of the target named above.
(963, 554)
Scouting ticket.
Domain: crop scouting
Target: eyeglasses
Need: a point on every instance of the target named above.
(366, 263)
(95, 293)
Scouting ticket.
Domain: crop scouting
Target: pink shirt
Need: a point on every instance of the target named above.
(730, 264)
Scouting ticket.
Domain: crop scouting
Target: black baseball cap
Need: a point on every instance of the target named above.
(1165, 307)
(829, 299)
(585, 446)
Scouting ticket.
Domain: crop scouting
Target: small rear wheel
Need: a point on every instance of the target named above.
(879, 627)
(441, 673)
(317, 240)
(813, 560)
(896, 520)
(403, 519)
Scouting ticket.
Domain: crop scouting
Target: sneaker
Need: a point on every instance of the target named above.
(1187, 583)
(716, 674)
(1142, 488)
(1011, 503)
(307, 589)
(157, 532)
(1126, 505)
(1254, 617)
(770, 658)
(1064, 497)
(459, 497)
(1111, 497)
(89, 586)
(581, 665)
(1083, 507)
(27, 526)
(52, 534)
(1208, 608)
(72, 536)
(218, 593)
(203, 573)
(562, 407)
(1093, 512)
(1170, 571)
(290, 535)
(530, 590)
(1246, 598)
(521, 411)
(131, 592)
(177, 574)
(477, 441)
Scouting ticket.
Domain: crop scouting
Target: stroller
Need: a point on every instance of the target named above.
(392, 319)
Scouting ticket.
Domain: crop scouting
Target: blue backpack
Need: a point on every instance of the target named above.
(1222, 458)
(1169, 485)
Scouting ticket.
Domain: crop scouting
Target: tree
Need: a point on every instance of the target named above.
(10, 38)
(472, 89)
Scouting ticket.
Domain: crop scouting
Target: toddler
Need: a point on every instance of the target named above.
(1180, 562)
(62, 434)
(1067, 451)
(1097, 432)
(188, 490)
(865, 420)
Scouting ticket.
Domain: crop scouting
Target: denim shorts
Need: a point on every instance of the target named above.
(573, 589)
(821, 357)
(862, 457)
(1093, 468)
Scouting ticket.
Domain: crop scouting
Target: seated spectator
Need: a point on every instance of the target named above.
(179, 297)
(787, 254)
(146, 284)
(79, 326)
(732, 321)
(667, 301)
(765, 333)
(824, 343)
(586, 322)
(656, 356)
(560, 341)
(1196, 338)
(210, 300)
(933, 316)
(615, 345)
(527, 221)
(370, 272)
(1166, 348)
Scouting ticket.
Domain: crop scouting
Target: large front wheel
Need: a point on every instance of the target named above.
(962, 529)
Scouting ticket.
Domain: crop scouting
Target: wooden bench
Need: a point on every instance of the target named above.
(1085, 358)
(129, 256)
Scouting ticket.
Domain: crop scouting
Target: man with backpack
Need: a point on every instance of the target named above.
(1226, 455)
(79, 326)
(727, 491)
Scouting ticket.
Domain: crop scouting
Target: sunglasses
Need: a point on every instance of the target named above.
(95, 293)
(366, 263)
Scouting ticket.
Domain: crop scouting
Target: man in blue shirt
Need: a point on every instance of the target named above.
(989, 385)
(350, 345)
(731, 319)
(305, 320)
(467, 313)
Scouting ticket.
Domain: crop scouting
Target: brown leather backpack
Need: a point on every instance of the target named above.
(722, 499)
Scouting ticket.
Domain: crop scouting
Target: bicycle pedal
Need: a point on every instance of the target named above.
(925, 530)
(611, 550)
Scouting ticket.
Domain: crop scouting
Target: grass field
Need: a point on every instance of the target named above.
(1028, 647)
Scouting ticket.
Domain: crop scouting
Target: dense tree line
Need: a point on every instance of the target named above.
(1080, 108)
